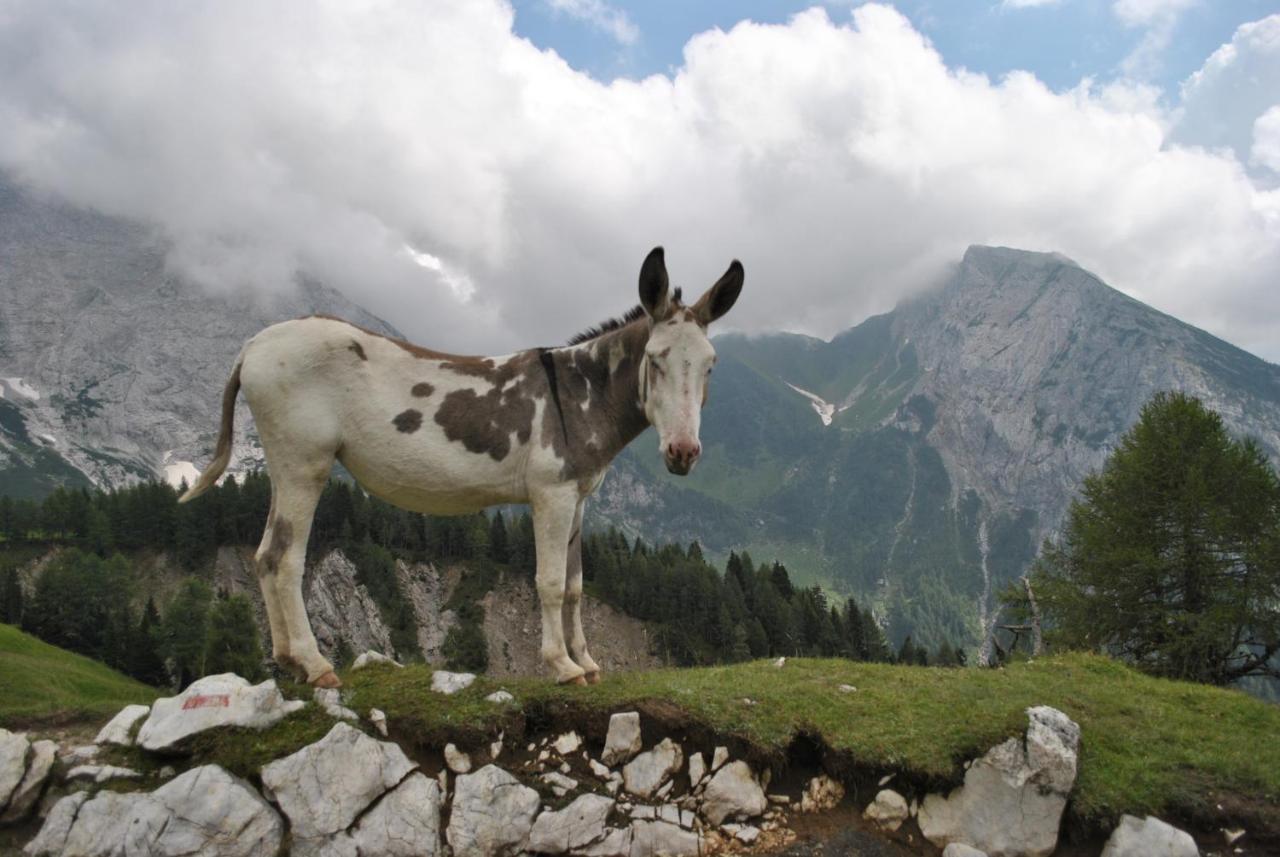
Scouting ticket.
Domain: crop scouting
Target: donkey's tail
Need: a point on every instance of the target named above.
(222, 455)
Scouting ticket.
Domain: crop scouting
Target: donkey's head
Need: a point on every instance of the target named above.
(678, 358)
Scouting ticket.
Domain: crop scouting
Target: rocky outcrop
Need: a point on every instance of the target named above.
(119, 730)
(622, 741)
(1013, 797)
(405, 823)
(13, 762)
(449, 683)
(428, 590)
(492, 814)
(573, 828)
(1145, 837)
(646, 773)
(733, 793)
(888, 810)
(205, 811)
(212, 702)
(25, 794)
(342, 609)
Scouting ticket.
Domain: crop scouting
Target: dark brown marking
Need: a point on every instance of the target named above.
(281, 538)
(484, 423)
(358, 349)
(422, 389)
(408, 421)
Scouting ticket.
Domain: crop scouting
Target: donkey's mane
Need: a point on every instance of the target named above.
(612, 324)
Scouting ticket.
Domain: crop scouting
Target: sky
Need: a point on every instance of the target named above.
(489, 175)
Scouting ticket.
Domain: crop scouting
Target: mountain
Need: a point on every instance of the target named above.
(109, 362)
(921, 457)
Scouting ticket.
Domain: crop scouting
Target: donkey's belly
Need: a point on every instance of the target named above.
(430, 487)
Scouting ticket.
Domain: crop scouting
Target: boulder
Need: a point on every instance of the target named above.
(405, 823)
(646, 773)
(719, 757)
(576, 826)
(1148, 837)
(119, 729)
(623, 739)
(212, 702)
(14, 747)
(499, 697)
(456, 760)
(733, 793)
(1012, 799)
(101, 773)
(653, 838)
(330, 701)
(443, 681)
(697, 769)
(560, 784)
(567, 743)
(888, 810)
(959, 849)
(616, 842)
(492, 814)
(821, 793)
(379, 720)
(205, 811)
(370, 658)
(323, 787)
(27, 792)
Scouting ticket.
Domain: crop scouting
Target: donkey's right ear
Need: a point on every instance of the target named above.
(655, 294)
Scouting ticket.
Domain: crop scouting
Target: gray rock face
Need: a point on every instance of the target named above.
(1012, 799)
(118, 728)
(405, 823)
(341, 608)
(734, 792)
(209, 703)
(370, 658)
(622, 741)
(492, 814)
(652, 838)
(575, 827)
(956, 849)
(14, 747)
(888, 810)
(330, 700)
(615, 843)
(205, 811)
(646, 773)
(325, 785)
(27, 792)
(1148, 837)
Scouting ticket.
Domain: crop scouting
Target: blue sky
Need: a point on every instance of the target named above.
(1061, 42)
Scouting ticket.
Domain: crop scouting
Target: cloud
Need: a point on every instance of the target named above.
(1266, 140)
(600, 15)
(1159, 19)
(483, 195)
(1146, 13)
(1026, 4)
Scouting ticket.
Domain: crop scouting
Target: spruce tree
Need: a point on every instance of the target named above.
(231, 645)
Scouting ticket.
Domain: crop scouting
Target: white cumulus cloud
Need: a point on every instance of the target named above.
(608, 19)
(483, 195)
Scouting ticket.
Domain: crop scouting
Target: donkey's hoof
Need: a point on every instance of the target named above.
(578, 679)
(329, 679)
(593, 677)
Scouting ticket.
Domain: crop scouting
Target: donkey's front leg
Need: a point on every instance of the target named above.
(573, 602)
(553, 515)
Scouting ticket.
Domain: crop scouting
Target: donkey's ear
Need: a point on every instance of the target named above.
(654, 285)
(720, 298)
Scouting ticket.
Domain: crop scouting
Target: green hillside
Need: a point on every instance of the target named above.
(39, 681)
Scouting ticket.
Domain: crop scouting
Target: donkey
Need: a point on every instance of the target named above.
(450, 435)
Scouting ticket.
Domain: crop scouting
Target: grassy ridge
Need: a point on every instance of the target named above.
(1149, 746)
(38, 680)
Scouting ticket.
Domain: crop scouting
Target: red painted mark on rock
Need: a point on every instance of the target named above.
(210, 700)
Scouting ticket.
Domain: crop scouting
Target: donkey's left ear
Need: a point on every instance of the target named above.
(720, 298)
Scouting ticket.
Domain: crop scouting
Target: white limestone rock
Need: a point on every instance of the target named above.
(719, 757)
(821, 793)
(102, 773)
(379, 720)
(330, 701)
(492, 814)
(456, 760)
(622, 742)
(14, 748)
(371, 658)
(118, 729)
(888, 810)
(747, 834)
(602, 772)
(1148, 837)
(567, 743)
(697, 769)
(211, 702)
(575, 827)
(615, 843)
(734, 792)
(500, 697)
(80, 755)
(443, 681)
(560, 784)
(26, 794)
(405, 823)
(323, 787)
(652, 838)
(1013, 797)
(959, 849)
(205, 811)
(646, 773)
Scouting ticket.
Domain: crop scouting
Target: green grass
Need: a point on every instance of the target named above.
(1149, 746)
(39, 681)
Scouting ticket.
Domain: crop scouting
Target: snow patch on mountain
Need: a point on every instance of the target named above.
(825, 410)
(16, 386)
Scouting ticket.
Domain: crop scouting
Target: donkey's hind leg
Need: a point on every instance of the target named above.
(296, 490)
(267, 561)
(573, 603)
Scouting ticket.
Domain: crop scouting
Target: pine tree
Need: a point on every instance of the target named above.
(499, 551)
(1171, 558)
(231, 645)
(11, 598)
(146, 663)
(186, 629)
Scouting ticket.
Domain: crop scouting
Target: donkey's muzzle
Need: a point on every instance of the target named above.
(680, 456)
